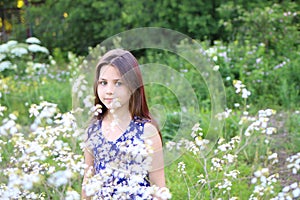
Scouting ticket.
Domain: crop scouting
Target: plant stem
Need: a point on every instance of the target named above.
(207, 178)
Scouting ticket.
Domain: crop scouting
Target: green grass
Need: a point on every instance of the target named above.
(288, 135)
(163, 100)
(24, 93)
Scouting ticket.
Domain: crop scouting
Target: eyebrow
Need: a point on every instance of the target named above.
(117, 79)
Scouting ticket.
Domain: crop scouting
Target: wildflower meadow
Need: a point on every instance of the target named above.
(46, 102)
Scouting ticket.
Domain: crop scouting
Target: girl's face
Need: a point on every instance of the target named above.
(112, 90)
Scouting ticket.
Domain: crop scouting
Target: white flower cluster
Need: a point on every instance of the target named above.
(15, 193)
(217, 164)
(289, 192)
(37, 48)
(60, 178)
(45, 111)
(9, 125)
(223, 156)
(79, 89)
(181, 168)
(273, 158)
(227, 146)
(3, 88)
(95, 183)
(197, 145)
(88, 102)
(223, 115)
(33, 40)
(264, 183)
(260, 123)
(224, 150)
(201, 180)
(76, 63)
(4, 48)
(127, 166)
(224, 186)
(97, 110)
(2, 108)
(72, 195)
(240, 88)
(185, 144)
(132, 166)
(42, 157)
(234, 174)
(32, 67)
(17, 52)
(161, 193)
(217, 53)
(294, 163)
(6, 65)
(66, 122)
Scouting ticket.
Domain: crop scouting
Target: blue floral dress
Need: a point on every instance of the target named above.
(121, 166)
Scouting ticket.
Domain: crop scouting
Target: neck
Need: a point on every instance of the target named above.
(121, 115)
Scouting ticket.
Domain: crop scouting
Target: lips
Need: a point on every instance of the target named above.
(112, 102)
(108, 99)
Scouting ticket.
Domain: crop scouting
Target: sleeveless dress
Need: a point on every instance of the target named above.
(121, 166)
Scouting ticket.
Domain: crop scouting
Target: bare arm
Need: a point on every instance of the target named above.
(157, 174)
(89, 162)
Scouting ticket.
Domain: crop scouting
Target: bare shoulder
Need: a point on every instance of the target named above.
(152, 133)
(150, 130)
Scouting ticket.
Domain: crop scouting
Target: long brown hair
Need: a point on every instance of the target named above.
(129, 69)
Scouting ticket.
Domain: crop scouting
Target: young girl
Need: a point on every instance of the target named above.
(124, 147)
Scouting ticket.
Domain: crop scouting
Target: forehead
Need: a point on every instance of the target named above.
(109, 72)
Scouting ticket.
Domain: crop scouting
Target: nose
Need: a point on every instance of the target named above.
(110, 88)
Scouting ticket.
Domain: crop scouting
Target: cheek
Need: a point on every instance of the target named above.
(100, 92)
(125, 95)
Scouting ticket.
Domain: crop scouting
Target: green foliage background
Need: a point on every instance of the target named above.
(255, 41)
(74, 25)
